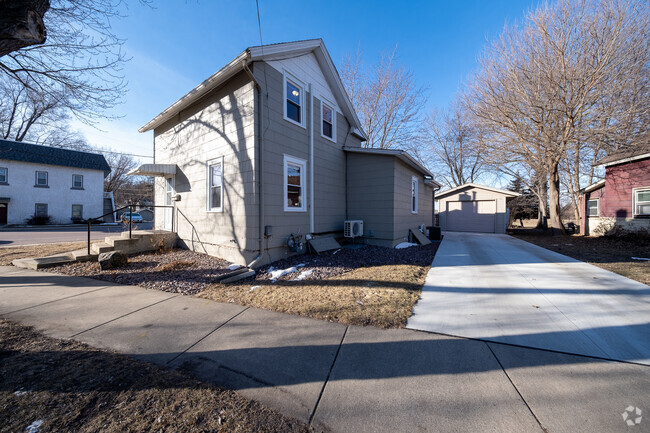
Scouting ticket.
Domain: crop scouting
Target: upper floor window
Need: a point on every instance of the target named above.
(414, 195)
(642, 202)
(41, 178)
(592, 208)
(3, 175)
(328, 125)
(294, 184)
(293, 101)
(215, 185)
(77, 181)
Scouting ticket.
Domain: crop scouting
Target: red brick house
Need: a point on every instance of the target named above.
(622, 199)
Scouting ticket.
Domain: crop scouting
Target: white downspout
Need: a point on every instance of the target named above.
(311, 161)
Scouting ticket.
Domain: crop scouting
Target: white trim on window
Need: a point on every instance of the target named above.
(36, 183)
(635, 202)
(300, 88)
(597, 200)
(214, 183)
(326, 104)
(300, 187)
(81, 181)
(414, 195)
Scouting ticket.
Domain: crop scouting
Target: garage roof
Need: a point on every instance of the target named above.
(474, 185)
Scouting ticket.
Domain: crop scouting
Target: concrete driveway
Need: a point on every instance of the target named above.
(499, 288)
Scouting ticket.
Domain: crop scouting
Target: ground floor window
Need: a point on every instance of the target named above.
(215, 185)
(41, 210)
(414, 195)
(77, 211)
(294, 184)
(593, 209)
(642, 202)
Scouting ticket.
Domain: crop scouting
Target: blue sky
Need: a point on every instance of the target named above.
(178, 44)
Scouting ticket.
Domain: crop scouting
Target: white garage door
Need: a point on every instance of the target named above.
(471, 216)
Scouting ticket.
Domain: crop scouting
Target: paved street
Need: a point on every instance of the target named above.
(499, 288)
(339, 378)
(49, 235)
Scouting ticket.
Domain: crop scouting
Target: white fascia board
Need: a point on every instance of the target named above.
(624, 160)
(592, 187)
(199, 91)
(474, 185)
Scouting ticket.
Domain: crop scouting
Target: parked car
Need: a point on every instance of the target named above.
(135, 217)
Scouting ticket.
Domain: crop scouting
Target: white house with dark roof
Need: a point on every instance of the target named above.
(48, 181)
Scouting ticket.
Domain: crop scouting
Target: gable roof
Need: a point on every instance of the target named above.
(36, 153)
(594, 186)
(268, 53)
(638, 150)
(474, 185)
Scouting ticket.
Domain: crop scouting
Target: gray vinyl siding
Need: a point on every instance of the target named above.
(220, 125)
(370, 195)
(404, 219)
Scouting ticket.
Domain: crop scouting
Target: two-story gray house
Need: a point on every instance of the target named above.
(270, 146)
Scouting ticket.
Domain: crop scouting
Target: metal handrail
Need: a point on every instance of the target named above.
(131, 210)
(193, 229)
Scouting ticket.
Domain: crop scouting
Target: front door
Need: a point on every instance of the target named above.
(3, 213)
(169, 212)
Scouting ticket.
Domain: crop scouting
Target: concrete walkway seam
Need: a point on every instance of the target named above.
(56, 300)
(521, 346)
(123, 315)
(207, 335)
(516, 389)
(329, 373)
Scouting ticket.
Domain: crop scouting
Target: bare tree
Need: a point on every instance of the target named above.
(81, 58)
(121, 164)
(453, 141)
(574, 73)
(387, 100)
(21, 24)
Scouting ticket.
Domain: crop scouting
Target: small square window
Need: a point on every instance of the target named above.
(3, 175)
(41, 210)
(77, 181)
(592, 208)
(215, 185)
(41, 178)
(77, 211)
(642, 202)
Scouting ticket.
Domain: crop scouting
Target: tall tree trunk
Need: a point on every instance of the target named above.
(554, 221)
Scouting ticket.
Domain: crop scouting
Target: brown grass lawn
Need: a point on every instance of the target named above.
(72, 387)
(7, 254)
(611, 253)
(381, 296)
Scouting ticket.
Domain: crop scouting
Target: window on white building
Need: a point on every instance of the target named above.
(77, 181)
(41, 178)
(77, 211)
(40, 210)
(3, 175)
(215, 185)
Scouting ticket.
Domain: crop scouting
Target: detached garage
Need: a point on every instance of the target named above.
(473, 208)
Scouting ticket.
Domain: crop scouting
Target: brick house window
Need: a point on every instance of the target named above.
(593, 208)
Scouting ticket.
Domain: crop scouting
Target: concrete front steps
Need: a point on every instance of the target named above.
(141, 241)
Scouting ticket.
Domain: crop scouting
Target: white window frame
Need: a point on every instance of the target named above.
(47, 178)
(82, 181)
(597, 200)
(634, 202)
(414, 194)
(208, 183)
(303, 183)
(287, 77)
(6, 175)
(324, 102)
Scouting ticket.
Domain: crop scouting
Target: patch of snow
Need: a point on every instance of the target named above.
(336, 251)
(281, 272)
(639, 258)
(300, 265)
(233, 267)
(253, 288)
(303, 275)
(405, 245)
(33, 427)
(20, 392)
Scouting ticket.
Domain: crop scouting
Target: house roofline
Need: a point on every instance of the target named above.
(623, 160)
(267, 53)
(474, 185)
(400, 154)
(594, 186)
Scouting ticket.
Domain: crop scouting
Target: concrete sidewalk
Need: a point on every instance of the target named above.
(339, 378)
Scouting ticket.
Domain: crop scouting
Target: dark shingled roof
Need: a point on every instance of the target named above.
(639, 147)
(27, 152)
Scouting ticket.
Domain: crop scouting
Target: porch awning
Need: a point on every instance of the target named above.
(156, 170)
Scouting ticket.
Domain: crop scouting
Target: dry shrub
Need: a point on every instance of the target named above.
(174, 266)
